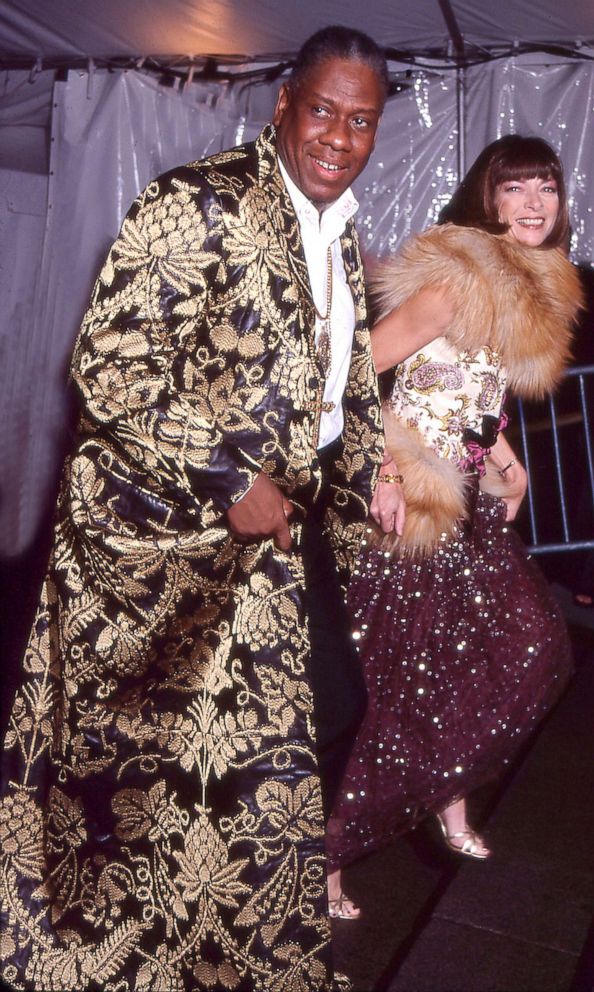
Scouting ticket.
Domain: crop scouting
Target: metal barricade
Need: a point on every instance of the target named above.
(561, 471)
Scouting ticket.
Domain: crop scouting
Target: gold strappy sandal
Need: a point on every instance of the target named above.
(337, 908)
(470, 843)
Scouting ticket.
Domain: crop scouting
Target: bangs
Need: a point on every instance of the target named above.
(527, 163)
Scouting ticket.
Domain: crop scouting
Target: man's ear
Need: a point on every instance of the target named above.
(282, 103)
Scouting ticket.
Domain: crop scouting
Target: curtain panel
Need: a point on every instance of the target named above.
(111, 132)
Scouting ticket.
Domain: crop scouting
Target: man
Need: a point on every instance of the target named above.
(161, 825)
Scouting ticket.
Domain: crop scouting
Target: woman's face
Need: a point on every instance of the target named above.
(530, 207)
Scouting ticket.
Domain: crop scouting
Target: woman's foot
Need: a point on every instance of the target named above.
(458, 836)
(340, 907)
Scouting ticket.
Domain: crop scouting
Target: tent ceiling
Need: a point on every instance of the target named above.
(74, 29)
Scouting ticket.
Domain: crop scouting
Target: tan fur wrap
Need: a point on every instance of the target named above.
(434, 491)
(519, 301)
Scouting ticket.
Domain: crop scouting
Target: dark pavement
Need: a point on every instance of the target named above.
(519, 922)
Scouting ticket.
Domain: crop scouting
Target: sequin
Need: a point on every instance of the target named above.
(459, 673)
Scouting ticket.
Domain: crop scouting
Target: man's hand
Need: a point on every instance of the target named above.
(262, 512)
(388, 507)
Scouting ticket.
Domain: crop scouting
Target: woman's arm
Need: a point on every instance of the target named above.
(395, 337)
(421, 319)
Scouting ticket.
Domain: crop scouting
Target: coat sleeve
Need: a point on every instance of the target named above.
(153, 366)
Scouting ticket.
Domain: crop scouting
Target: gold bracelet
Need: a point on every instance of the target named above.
(387, 477)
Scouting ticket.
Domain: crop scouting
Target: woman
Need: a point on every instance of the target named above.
(463, 648)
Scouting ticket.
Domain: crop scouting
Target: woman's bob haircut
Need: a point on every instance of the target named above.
(512, 157)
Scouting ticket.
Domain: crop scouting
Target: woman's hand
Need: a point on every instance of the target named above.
(518, 483)
(512, 474)
(388, 507)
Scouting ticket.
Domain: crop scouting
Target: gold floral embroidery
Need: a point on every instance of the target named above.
(21, 834)
(167, 237)
(150, 839)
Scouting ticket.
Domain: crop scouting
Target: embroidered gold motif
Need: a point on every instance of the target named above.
(161, 826)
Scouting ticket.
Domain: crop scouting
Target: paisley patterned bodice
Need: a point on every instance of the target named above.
(453, 399)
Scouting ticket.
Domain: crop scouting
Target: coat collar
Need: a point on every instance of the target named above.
(270, 176)
(354, 270)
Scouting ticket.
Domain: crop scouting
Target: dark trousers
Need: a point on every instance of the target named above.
(339, 694)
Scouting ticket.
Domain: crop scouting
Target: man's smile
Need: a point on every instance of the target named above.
(328, 166)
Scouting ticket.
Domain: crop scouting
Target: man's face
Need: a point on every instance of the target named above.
(326, 127)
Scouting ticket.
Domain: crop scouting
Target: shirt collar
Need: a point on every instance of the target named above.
(333, 219)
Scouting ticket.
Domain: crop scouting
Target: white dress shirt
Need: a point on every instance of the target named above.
(318, 233)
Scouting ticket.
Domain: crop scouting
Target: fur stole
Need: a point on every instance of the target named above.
(521, 302)
(435, 491)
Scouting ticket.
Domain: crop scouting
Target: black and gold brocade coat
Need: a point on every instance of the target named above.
(161, 823)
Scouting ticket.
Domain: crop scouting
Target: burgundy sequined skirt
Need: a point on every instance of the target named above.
(463, 654)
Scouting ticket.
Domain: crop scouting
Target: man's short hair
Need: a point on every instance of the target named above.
(337, 42)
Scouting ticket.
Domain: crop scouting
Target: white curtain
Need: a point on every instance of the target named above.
(413, 169)
(113, 132)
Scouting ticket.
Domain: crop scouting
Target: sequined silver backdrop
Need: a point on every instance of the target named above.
(112, 133)
(553, 101)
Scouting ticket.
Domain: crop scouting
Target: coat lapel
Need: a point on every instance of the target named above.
(269, 174)
(354, 270)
